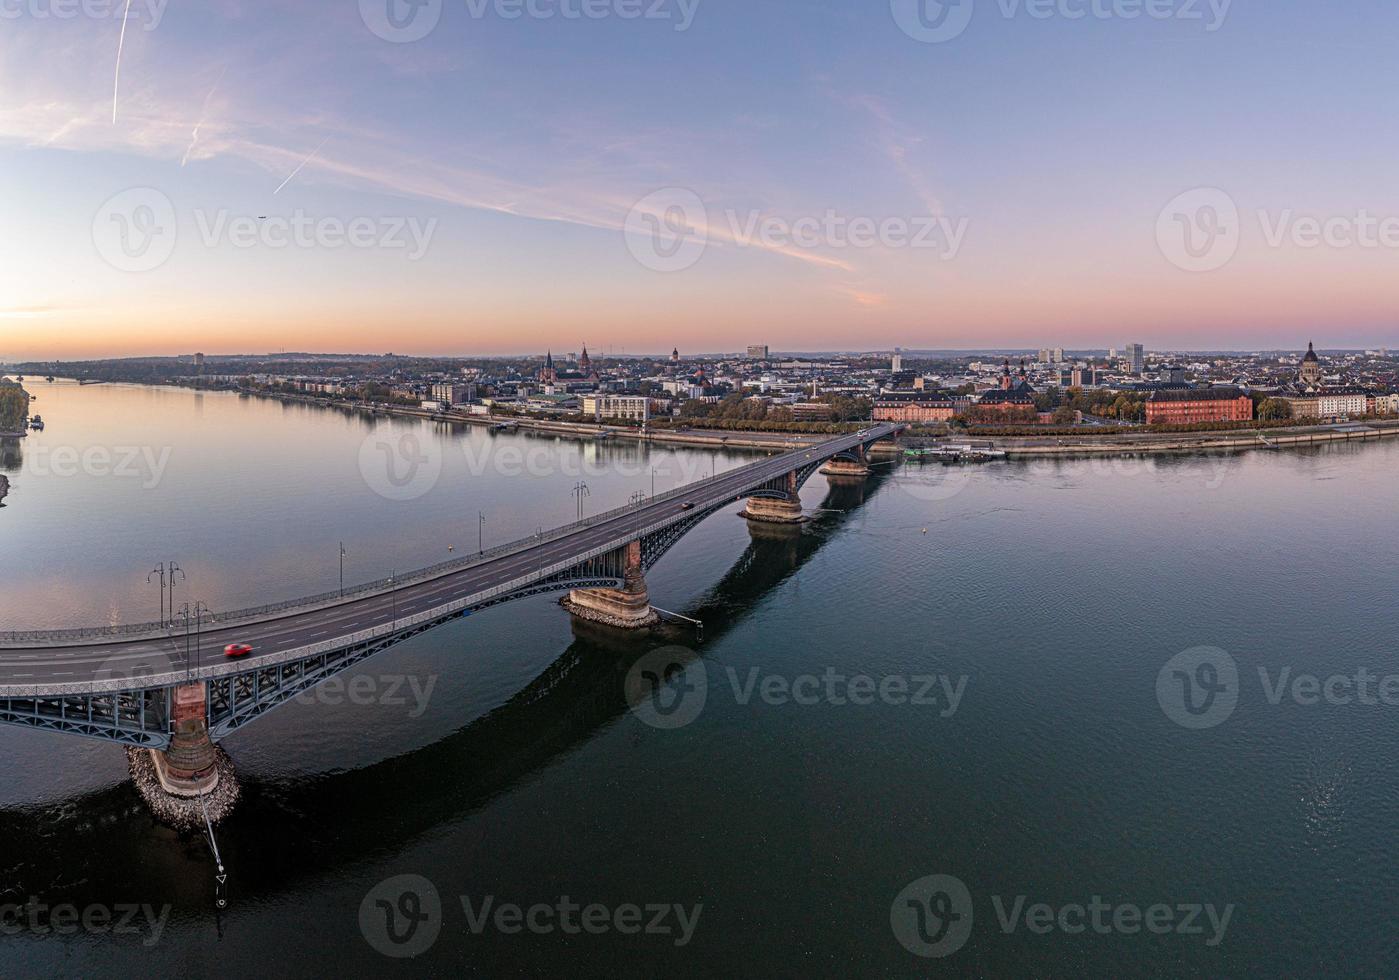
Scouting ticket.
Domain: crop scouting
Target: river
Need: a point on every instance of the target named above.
(978, 674)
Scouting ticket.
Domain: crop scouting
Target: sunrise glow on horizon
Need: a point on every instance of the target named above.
(819, 175)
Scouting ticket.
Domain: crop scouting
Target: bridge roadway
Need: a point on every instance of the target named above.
(98, 663)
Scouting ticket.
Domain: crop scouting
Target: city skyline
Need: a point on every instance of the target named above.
(837, 177)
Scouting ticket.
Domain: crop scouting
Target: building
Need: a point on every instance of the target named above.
(758, 353)
(1015, 396)
(1387, 404)
(1136, 357)
(452, 393)
(1310, 371)
(1172, 374)
(551, 403)
(811, 412)
(633, 408)
(1338, 403)
(914, 406)
(1188, 406)
(548, 374)
(897, 365)
(1084, 377)
(1304, 406)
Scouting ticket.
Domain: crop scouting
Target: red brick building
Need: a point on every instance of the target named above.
(914, 406)
(1187, 406)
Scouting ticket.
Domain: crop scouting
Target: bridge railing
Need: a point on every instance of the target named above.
(393, 582)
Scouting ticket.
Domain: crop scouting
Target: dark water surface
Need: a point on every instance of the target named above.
(497, 758)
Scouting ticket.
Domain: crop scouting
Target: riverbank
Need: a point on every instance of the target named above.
(1235, 441)
(1019, 446)
(700, 438)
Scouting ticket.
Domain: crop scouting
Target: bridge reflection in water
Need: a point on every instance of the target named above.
(338, 820)
(107, 688)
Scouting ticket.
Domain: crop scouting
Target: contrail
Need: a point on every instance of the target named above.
(299, 166)
(116, 79)
(203, 114)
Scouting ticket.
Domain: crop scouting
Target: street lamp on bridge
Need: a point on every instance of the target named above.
(196, 613)
(580, 490)
(166, 571)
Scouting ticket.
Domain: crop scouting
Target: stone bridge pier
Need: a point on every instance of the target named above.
(853, 464)
(778, 503)
(626, 608)
(192, 780)
(189, 767)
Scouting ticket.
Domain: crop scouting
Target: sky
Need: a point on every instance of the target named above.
(463, 177)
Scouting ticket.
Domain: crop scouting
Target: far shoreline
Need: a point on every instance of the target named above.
(1023, 447)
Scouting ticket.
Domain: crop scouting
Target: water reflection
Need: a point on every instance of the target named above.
(287, 831)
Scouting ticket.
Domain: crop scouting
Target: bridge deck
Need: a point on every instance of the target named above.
(57, 665)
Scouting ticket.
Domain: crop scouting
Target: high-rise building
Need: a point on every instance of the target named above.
(1136, 355)
(758, 352)
(898, 364)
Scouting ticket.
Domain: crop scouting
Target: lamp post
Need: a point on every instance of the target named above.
(166, 572)
(480, 532)
(342, 569)
(173, 569)
(580, 490)
(159, 570)
(197, 614)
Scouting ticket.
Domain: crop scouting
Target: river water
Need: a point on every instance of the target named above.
(1122, 690)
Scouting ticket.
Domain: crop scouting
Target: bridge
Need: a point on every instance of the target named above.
(167, 686)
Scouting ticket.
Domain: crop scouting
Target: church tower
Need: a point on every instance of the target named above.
(1310, 372)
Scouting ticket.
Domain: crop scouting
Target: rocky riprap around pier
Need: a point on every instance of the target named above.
(179, 812)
